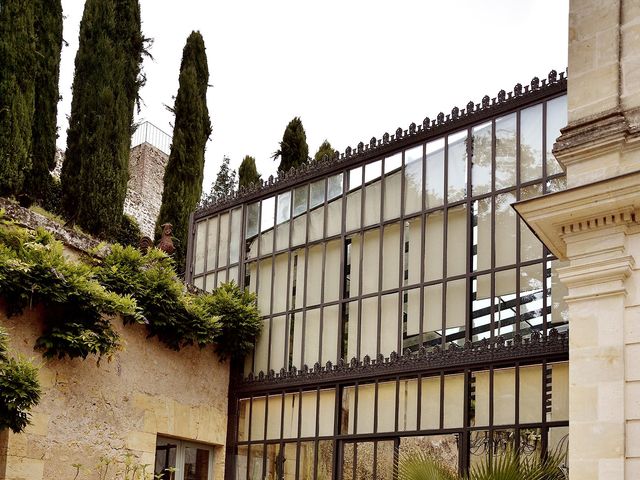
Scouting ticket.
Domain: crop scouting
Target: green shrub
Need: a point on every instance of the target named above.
(129, 232)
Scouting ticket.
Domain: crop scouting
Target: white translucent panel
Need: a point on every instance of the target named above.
(264, 287)
(210, 282)
(220, 279)
(412, 251)
(352, 331)
(434, 187)
(258, 417)
(412, 311)
(274, 416)
(353, 218)
(505, 230)
(300, 199)
(261, 352)
(388, 324)
(366, 408)
(353, 261)
(453, 401)
(556, 119)
(392, 195)
(457, 166)
(327, 412)
(311, 337)
(299, 234)
(355, 178)
(506, 143)
(233, 275)
(267, 213)
(530, 394)
(334, 186)
(505, 284)
(253, 216)
(434, 245)
(369, 327)
(266, 242)
(504, 298)
(558, 441)
(456, 303)
(334, 217)
(559, 310)
(407, 405)
(281, 268)
(282, 236)
(481, 166)
(297, 279)
(278, 343)
(433, 308)
(316, 196)
(392, 163)
(290, 415)
(332, 271)
(481, 309)
(201, 241)
(457, 252)
(531, 298)
(252, 273)
(530, 246)
(386, 406)
(430, 403)
(330, 330)
(531, 280)
(504, 396)
(372, 171)
(370, 263)
(234, 237)
(391, 256)
(309, 410)
(559, 392)
(296, 326)
(412, 180)
(314, 278)
(243, 420)
(482, 399)
(316, 223)
(283, 212)
(531, 143)
(372, 193)
(212, 243)
(198, 282)
(482, 234)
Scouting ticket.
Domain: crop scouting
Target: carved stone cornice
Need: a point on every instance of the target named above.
(604, 205)
(599, 278)
(494, 352)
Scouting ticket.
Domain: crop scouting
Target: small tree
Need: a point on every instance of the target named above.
(248, 172)
(48, 34)
(225, 183)
(294, 150)
(185, 169)
(17, 67)
(324, 149)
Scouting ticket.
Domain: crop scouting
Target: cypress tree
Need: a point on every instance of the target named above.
(248, 172)
(324, 149)
(48, 34)
(105, 89)
(192, 128)
(17, 58)
(294, 150)
(225, 182)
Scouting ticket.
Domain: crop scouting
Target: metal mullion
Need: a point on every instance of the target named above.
(361, 255)
(469, 242)
(324, 262)
(419, 405)
(355, 460)
(401, 227)
(264, 435)
(375, 459)
(242, 261)
(375, 406)
(305, 276)
(445, 232)
(337, 421)
(299, 432)
(491, 370)
(423, 239)
(380, 228)
(545, 427)
(492, 273)
(317, 434)
(273, 276)
(206, 255)
(517, 405)
(463, 458)
(356, 390)
(217, 260)
(228, 259)
(517, 220)
(397, 401)
(441, 400)
(287, 328)
(343, 259)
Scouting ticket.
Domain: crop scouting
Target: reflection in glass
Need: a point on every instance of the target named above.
(505, 233)
(372, 171)
(334, 186)
(300, 195)
(392, 186)
(196, 463)
(442, 447)
(165, 462)
(355, 178)
(531, 143)
(413, 180)
(284, 207)
(268, 213)
(317, 194)
(435, 173)
(457, 166)
(256, 455)
(253, 214)
(506, 151)
(556, 119)
(325, 460)
(242, 458)
(457, 240)
(481, 150)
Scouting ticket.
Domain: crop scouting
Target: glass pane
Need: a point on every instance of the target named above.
(480, 399)
(223, 245)
(430, 403)
(201, 241)
(456, 310)
(386, 407)
(372, 199)
(392, 187)
(372, 171)
(457, 240)
(347, 413)
(435, 173)
(355, 178)
(506, 151)
(453, 401)
(243, 420)
(505, 234)
(531, 143)
(370, 264)
(481, 167)
(165, 462)
(268, 213)
(556, 119)
(284, 207)
(407, 404)
(433, 313)
(196, 463)
(481, 308)
(384, 460)
(531, 299)
(256, 455)
(300, 195)
(391, 256)
(317, 193)
(334, 188)
(530, 394)
(412, 251)
(306, 457)
(354, 210)
(434, 245)
(530, 246)
(242, 462)
(457, 166)
(558, 404)
(348, 461)
(212, 246)
(504, 396)
(275, 462)
(442, 447)
(325, 460)
(504, 301)
(413, 180)
(253, 214)
(327, 412)
(482, 234)
(234, 237)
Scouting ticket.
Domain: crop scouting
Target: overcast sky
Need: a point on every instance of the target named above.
(351, 69)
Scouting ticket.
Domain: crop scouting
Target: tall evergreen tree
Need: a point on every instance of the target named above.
(105, 89)
(324, 149)
(248, 173)
(17, 60)
(48, 34)
(225, 182)
(294, 150)
(192, 128)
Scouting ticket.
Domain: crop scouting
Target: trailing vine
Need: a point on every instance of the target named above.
(81, 299)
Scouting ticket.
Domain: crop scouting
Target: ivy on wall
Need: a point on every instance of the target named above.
(81, 299)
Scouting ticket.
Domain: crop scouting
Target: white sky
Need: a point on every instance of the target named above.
(351, 69)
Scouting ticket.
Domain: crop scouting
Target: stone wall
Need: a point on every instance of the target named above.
(90, 409)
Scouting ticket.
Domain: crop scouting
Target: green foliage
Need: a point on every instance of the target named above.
(294, 150)
(19, 388)
(52, 201)
(185, 168)
(225, 183)
(129, 232)
(324, 149)
(248, 172)
(105, 89)
(17, 60)
(48, 35)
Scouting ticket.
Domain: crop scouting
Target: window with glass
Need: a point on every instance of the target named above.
(183, 460)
